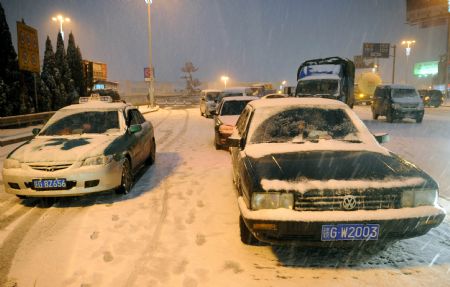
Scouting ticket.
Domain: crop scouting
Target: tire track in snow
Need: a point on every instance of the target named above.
(154, 240)
(12, 242)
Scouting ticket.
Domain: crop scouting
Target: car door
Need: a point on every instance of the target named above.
(135, 139)
(146, 141)
(237, 153)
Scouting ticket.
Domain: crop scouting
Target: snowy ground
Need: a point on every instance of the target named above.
(179, 225)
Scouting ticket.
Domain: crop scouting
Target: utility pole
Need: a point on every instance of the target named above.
(393, 63)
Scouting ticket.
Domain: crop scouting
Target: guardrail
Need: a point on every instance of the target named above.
(22, 120)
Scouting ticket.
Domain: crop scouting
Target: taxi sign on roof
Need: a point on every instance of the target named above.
(95, 97)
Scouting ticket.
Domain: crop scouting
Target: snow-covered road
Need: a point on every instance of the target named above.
(179, 225)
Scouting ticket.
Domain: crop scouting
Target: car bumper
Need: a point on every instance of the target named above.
(408, 113)
(80, 180)
(283, 226)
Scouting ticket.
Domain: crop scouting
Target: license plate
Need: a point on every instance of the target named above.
(49, 183)
(341, 232)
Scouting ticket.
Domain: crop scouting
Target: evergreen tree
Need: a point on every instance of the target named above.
(75, 63)
(67, 92)
(10, 88)
(51, 79)
(45, 99)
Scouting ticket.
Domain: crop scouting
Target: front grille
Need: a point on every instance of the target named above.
(369, 199)
(50, 167)
(409, 106)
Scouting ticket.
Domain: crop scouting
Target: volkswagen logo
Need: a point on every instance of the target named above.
(349, 202)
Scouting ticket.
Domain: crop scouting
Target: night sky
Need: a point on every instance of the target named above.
(250, 40)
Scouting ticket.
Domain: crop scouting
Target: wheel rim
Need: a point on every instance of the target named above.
(126, 177)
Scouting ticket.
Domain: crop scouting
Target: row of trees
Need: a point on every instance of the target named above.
(60, 83)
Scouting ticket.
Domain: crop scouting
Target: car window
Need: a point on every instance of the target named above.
(134, 117)
(93, 122)
(242, 121)
(404, 93)
(305, 124)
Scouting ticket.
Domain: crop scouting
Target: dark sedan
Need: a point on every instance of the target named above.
(308, 171)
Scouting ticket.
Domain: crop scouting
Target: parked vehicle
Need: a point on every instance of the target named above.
(208, 102)
(235, 92)
(365, 86)
(84, 148)
(431, 98)
(331, 78)
(274, 96)
(397, 102)
(309, 171)
(228, 112)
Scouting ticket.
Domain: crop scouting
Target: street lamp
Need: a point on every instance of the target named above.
(61, 19)
(225, 80)
(150, 62)
(283, 83)
(408, 44)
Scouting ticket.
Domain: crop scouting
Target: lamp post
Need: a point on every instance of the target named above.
(150, 62)
(225, 80)
(408, 44)
(61, 19)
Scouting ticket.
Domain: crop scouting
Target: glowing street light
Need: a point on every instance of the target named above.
(283, 83)
(225, 80)
(61, 19)
(150, 60)
(408, 44)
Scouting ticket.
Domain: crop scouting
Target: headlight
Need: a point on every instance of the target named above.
(427, 98)
(272, 200)
(98, 160)
(361, 95)
(225, 129)
(11, 163)
(414, 198)
(396, 106)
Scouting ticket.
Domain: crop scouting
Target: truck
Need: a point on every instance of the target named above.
(331, 77)
(365, 85)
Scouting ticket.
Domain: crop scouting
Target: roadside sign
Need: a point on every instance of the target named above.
(28, 48)
(149, 74)
(376, 50)
(363, 63)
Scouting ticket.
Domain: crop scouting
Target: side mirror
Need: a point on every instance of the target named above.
(213, 112)
(234, 141)
(382, 137)
(135, 128)
(35, 131)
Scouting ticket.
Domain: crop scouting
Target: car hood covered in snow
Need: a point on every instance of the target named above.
(302, 171)
(62, 148)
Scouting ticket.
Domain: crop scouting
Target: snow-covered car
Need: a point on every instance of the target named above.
(236, 92)
(208, 102)
(83, 148)
(309, 171)
(225, 118)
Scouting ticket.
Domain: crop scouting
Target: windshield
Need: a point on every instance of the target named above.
(404, 93)
(314, 87)
(232, 108)
(298, 125)
(86, 122)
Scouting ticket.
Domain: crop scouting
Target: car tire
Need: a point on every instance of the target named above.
(127, 178)
(419, 119)
(389, 116)
(216, 145)
(246, 235)
(152, 156)
(374, 115)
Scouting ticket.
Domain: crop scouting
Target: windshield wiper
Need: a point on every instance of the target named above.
(351, 140)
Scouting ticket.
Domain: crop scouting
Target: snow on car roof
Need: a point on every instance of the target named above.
(97, 105)
(211, 91)
(238, 98)
(235, 89)
(305, 102)
(320, 77)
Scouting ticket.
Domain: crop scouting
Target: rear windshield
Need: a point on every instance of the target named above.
(233, 108)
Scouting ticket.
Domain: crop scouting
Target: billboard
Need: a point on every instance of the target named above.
(425, 69)
(376, 50)
(363, 63)
(28, 48)
(426, 12)
(99, 71)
